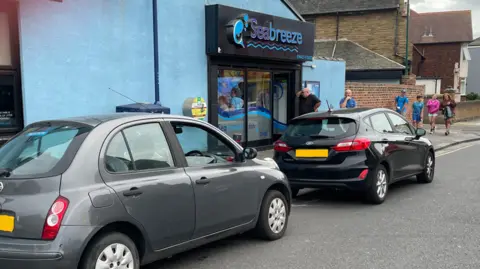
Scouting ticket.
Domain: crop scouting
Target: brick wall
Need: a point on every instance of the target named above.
(382, 95)
(373, 30)
(440, 61)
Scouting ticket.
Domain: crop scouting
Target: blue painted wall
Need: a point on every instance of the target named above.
(331, 75)
(73, 52)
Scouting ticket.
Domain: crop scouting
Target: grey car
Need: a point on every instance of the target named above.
(123, 190)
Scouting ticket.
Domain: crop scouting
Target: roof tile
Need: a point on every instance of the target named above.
(446, 27)
(313, 7)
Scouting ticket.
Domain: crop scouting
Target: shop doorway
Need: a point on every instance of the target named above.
(11, 111)
(253, 105)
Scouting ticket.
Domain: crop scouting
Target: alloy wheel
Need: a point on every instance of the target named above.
(277, 215)
(430, 166)
(115, 256)
(381, 184)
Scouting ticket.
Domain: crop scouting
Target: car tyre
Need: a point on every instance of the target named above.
(429, 171)
(379, 187)
(295, 192)
(109, 249)
(273, 218)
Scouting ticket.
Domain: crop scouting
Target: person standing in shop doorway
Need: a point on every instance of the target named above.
(401, 103)
(348, 101)
(308, 102)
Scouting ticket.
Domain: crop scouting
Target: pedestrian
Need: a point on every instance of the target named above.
(401, 102)
(433, 106)
(348, 101)
(417, 112)
(308, 102)
(448, 107)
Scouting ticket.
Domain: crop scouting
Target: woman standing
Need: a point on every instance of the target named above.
(448, 107)
(433, 106)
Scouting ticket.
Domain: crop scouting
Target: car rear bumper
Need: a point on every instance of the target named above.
(63, 252)
(346, 175)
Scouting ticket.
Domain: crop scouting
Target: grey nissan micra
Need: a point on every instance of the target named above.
(123, 190)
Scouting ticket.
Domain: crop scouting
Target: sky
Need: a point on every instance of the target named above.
(448, 5)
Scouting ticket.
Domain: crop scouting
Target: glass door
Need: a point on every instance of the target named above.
(281, 89)
(259, 101)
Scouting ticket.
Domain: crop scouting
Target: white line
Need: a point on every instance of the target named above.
(455, 150)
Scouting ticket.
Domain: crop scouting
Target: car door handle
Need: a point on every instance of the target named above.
(203, 181)
(385, 141)
(132, 192)
(409, 138)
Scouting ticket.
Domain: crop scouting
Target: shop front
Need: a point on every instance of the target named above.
(254, 70)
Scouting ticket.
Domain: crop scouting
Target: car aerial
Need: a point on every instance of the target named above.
(359, 149)
(123, 190)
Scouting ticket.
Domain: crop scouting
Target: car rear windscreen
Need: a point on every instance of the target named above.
(38, 150)
(322, 127)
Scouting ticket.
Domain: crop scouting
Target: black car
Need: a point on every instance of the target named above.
(358, 149)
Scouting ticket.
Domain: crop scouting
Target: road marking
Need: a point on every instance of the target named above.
(455, 150)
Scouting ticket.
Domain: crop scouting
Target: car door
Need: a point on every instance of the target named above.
(394, 149)
(138, 165)
(416, 149)
(226, 189)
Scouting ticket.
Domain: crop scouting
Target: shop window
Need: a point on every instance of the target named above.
(5, 49)
(231, 103)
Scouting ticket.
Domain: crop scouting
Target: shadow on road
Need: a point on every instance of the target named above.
(348, 198)
(189, 258)
(240, 243)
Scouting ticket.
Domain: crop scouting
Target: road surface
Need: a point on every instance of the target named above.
(419, 226)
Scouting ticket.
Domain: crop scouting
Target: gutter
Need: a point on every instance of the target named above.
(155, 51)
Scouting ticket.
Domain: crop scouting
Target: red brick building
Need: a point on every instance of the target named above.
(440, 50)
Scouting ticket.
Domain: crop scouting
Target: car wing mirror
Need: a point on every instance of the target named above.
(250, 153)
(420, 132)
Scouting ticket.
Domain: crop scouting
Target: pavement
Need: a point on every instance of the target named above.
(460, 132)
(419, 226)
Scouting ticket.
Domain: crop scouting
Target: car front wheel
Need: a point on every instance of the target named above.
(429, 171)
(114, 250)
(378, 190)
(273, 218)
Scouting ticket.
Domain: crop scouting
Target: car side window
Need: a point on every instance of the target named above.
(117, 158)
(202, 147)
(149, 147)
(380, 123)
(400, 125)
(140, 147)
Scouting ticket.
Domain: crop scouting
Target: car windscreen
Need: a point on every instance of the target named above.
(332, 127)
(39, 149)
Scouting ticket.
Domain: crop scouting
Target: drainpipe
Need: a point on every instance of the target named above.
(155, 51)
(336, 36)
(406, 47)
(395, 45)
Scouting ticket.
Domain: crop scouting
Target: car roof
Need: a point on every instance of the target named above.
(95, 120)
(344, 113)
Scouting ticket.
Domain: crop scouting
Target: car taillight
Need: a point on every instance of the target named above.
(54, 218)
(363, 174)
(356, 144)
(281, 146)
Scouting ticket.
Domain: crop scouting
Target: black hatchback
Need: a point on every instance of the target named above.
(357, 149)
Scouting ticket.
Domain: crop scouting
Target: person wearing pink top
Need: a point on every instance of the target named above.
(433, 106)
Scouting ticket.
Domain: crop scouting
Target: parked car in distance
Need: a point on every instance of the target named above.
(358, 149)
(123, 190)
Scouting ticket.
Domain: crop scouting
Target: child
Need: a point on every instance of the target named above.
(417, 112)
(433, 106)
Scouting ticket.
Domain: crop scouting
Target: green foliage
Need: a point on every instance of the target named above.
(473, 96)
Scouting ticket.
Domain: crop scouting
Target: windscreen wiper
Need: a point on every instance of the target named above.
(5, 172)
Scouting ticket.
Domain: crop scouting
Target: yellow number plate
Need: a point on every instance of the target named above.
(312, 153)
(7, 223)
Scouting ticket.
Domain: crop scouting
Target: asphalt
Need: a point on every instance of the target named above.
(433, 225)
